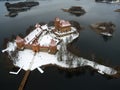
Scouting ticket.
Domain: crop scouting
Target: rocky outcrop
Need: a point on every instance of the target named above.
(19, 7)
(76, 10)
(104, 28)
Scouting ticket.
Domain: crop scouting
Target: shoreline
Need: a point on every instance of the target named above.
(63, 59)
(117, 75)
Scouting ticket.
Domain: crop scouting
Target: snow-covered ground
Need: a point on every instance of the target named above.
(29, 60)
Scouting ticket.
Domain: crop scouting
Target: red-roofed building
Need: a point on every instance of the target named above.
(19, 42)
(53, 47)
(35, 46)
(62, 25)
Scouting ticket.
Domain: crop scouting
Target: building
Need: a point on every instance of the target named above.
(38, 40)
(62, 25)
(35, 46)
(20, 42)
(53, 47)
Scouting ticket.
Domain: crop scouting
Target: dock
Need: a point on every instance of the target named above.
(21, 87)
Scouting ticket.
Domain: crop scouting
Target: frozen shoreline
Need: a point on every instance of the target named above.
(28, 59)
(63, 58)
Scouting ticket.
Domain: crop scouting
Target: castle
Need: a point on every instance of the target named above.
(62, 25)
(40, 40)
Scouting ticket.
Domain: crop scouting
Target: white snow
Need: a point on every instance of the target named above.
(45, 40)
(25, 60)
(44, 27)
(64, 23)
(11, 46)
(106, 34)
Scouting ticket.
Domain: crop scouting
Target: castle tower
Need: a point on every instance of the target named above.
(53, 47)
(57, 22)
(20, 42)
(35, 46)
(62, 25)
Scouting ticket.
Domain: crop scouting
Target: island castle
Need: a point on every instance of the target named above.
(32, 41)
(37, 40)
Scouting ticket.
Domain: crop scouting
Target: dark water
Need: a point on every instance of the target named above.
(88, 42)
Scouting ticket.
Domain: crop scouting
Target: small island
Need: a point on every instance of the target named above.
(75, 10)
(14, 8)
(108, 1)
(103, 28)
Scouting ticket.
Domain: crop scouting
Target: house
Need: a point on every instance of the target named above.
(62, 25)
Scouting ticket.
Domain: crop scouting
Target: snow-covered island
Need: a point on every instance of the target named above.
(108, 1)
(104, 28)
(48, 46)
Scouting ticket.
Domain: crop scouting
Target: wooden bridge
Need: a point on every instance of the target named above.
(27, 73)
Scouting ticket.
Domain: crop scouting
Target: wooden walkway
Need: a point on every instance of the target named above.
(21, 87)
(24, 80)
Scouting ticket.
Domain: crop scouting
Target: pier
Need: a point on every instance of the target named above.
(21, 87)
